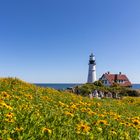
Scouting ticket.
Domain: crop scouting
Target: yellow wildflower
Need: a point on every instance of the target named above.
(5, 105)
(2, 103)
(82, 103)
(29, 96)
(9, 107)
(46, 130)
(61, 104)
(17, 97)
(98, 104)
(69, 114)
(91, 113)
(88, 109)
(73, 107)
(18, 129)
(10, 120)
(104, 122)
(83, 127)
(101, 115)
(5, 94)
(9, 115)
(136, 122)
(83, 110)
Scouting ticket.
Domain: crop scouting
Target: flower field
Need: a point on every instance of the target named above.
(28, 112)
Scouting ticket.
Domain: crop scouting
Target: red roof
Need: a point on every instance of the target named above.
(116, 77)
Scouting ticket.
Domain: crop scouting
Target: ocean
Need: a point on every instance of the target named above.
(58, 86)
(65, 86)
(136, 86)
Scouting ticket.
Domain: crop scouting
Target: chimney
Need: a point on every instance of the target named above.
(108, 72)
(116, 78)
(120, 73)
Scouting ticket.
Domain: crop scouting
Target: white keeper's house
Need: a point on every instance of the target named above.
(108, 79)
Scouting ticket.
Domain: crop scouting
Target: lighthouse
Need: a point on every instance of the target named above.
(92, 69)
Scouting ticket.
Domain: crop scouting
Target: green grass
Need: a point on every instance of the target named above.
(28, 112)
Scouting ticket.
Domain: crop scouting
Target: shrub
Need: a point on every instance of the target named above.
(133, 93)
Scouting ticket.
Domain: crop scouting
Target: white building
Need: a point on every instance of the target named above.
(108, 79)
(92, 69)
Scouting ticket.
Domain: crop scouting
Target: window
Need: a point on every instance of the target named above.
(105, 81)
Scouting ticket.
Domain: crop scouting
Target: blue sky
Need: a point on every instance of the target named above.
(50, 40)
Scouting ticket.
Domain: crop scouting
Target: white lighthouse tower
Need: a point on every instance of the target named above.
(92, 69)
